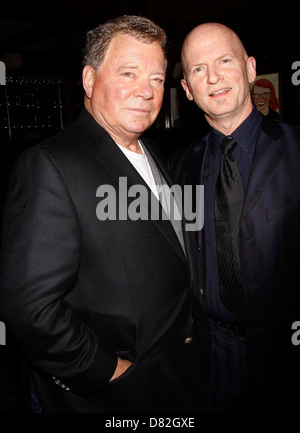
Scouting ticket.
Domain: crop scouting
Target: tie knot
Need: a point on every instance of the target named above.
(227, 145)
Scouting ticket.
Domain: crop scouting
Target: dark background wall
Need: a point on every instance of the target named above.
(44, 40)
(41, 44)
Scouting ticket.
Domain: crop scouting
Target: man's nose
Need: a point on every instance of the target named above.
(213, 75)
(144, 89)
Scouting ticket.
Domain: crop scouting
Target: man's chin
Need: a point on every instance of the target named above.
(138, 128)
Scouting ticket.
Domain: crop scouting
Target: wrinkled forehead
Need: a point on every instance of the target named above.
(206, 41)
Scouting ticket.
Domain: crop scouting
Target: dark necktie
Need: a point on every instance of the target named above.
(229, 199)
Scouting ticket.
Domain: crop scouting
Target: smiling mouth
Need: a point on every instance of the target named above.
(220, 92)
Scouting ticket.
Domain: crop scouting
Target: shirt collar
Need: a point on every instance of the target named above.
(245, 135)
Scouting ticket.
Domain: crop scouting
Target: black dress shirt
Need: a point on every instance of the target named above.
(245, 136)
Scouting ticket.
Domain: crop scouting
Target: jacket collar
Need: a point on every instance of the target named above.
(117, 165)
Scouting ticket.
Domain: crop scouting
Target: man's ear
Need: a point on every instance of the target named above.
(251, 69)
(88, 78)
(186, 89)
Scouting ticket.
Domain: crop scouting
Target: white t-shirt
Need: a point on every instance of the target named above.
(141, 164)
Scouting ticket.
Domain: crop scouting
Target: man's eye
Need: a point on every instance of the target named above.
(127, 74)
(158, 80)
(198, 69)
(225, 60)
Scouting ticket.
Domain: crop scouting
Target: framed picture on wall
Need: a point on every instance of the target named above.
(265, 95)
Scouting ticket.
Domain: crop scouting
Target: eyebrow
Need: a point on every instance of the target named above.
(232, 54)
(225, 55)
(128, 66)
(122, 67)
(135, 67)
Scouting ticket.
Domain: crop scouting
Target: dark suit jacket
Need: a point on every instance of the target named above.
(77, 291)
(269, 240)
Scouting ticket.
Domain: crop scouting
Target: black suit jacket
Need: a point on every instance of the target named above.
(77, 292)
(269, 239)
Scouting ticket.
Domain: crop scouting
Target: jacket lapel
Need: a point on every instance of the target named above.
(269, 151)
(117, 165)
(194, 177)
(195, 172)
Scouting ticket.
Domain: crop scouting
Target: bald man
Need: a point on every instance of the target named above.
(254, 361)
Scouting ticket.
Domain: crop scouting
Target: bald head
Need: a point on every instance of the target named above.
(217, 72)
(206, 36)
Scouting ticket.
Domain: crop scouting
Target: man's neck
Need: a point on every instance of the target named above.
(228, 124)
(134, 147)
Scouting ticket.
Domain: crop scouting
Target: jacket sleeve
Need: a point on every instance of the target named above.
(40, 259)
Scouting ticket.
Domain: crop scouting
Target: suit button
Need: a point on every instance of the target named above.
(188, 340)
(201, 292)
